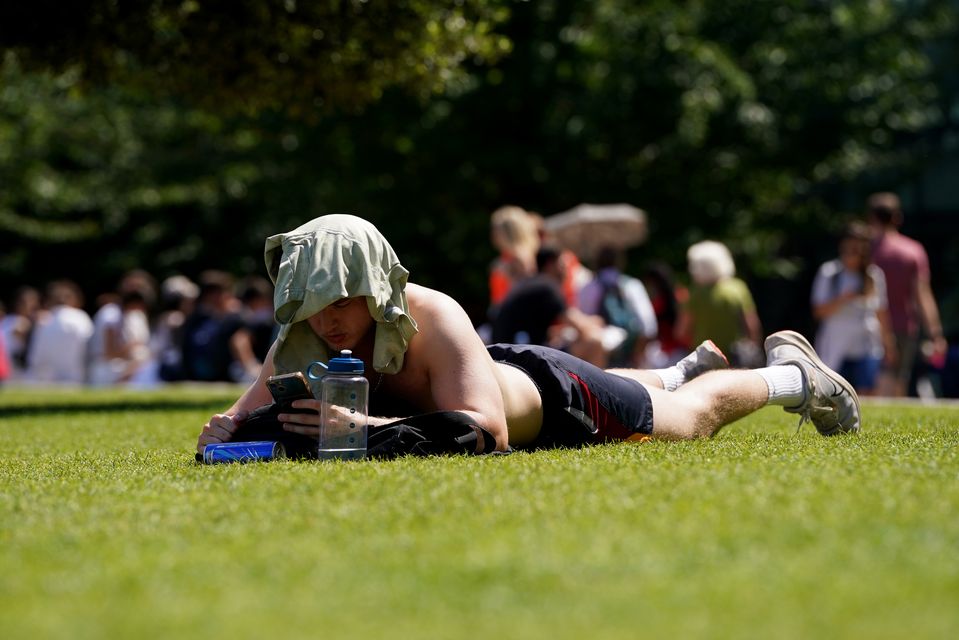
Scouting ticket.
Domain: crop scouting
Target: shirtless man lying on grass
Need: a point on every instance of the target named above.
(339, 285)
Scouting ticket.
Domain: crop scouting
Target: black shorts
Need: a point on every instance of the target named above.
(582, 404)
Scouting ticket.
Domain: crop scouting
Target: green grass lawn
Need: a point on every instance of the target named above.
(108, 529)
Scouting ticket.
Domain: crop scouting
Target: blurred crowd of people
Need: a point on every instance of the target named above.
(875, 312)
(876, 316)
(142, 333)
(587, 305)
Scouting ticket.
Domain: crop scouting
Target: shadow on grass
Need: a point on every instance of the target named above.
(112, 406)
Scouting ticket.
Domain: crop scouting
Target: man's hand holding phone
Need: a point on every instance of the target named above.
(288, 388)
(300, 411)
(306, 420)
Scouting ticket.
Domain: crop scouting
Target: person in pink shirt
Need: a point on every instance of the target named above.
(911, 301)
(4, 361)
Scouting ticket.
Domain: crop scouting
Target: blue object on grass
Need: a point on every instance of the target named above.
(243, 451)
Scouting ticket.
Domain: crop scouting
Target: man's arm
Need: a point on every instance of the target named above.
(826, 309)
(926, 300)
(460, 369)
(221, 426)
(929, 311)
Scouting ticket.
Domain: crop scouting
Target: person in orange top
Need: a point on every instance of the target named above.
(513, 233)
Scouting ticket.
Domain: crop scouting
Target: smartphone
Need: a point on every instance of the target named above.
(288, 387)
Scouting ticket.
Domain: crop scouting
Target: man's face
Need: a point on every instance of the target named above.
(342, 324)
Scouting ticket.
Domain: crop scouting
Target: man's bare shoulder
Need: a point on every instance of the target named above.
(436, 312)
(430, 300)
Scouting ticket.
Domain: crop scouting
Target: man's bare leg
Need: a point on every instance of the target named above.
(706, 357)
(644, 376)
(701, 407)
(794, 378)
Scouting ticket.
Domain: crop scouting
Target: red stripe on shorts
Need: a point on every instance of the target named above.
(607, 424)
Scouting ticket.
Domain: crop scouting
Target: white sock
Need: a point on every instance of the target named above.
(673, 377)
(786, 385)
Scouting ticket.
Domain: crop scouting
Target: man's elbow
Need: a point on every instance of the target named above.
(502, 440)
(496, 428)
(499, 432)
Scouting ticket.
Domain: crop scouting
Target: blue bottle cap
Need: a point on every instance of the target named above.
(345, 363)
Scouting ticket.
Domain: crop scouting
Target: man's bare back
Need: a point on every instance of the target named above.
(446, 360)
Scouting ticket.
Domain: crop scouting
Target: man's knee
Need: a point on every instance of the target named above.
(682, 418)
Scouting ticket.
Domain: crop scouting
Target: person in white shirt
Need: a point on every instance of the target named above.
(58, 347)
(849, 301)
(120, 345)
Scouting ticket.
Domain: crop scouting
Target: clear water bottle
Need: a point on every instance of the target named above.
(344, 398)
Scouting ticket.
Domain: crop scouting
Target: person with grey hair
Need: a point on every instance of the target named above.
(720, 307)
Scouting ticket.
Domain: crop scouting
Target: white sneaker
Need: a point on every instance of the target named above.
(706, 357)
(831, 403)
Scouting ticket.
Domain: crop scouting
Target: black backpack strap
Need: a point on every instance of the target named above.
(435, 433)
(428, 434)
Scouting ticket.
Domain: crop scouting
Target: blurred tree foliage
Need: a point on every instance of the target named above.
(249, 55)
(733, 120)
